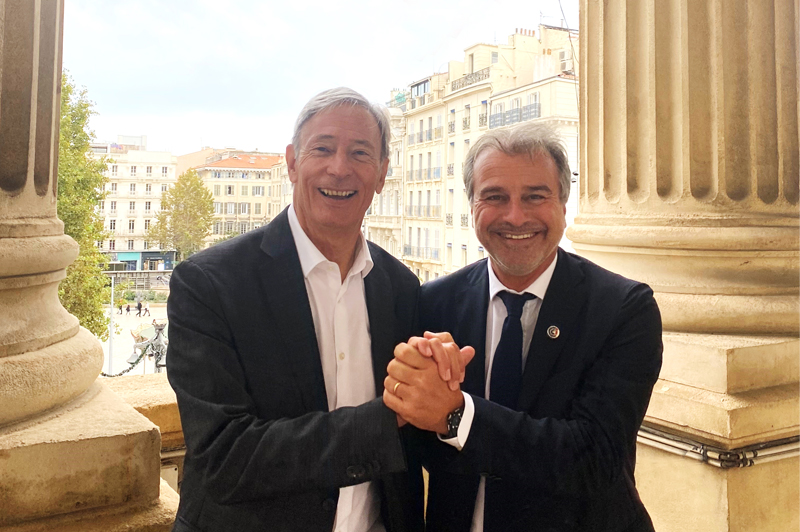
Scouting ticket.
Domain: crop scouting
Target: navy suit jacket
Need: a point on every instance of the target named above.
(564, 459)
(263, 452)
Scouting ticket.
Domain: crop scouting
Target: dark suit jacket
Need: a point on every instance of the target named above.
(263, 452)
(564, 460)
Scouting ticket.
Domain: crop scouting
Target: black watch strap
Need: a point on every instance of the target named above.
(453, 422)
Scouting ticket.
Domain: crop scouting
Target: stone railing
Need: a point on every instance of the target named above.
(469, 79)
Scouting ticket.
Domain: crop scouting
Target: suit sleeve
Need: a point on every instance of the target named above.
(587, 449)
(240, 456)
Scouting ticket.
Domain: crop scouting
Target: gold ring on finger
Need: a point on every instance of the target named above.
(394, 391)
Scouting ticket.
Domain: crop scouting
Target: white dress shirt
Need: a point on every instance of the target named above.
(494, 327)
(339, 309)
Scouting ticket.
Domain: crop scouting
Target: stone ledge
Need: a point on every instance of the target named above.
(153, 397)
(98, 454)
(728, 421)
(730, 364)
(156, 516)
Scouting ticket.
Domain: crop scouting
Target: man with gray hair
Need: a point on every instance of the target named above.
(279, 343)
(542, 435)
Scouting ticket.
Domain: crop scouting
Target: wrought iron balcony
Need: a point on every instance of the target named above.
(437, 133)
(411, 139)
(483, 120)
(451, 127)
(448, 219)
(450, 169)
(437, 172)
(469, 79)
(464, 220)
(465, 122)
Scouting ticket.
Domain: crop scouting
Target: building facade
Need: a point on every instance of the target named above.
(241, 186)
(136, 180)
(531, 78)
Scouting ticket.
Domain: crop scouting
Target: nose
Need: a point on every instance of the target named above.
(515, 213)
(339, 164)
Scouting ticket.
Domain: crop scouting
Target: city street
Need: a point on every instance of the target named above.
(122, 342)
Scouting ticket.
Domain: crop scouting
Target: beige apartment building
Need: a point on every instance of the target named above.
(137, 179)
(241, 186)
(532, 77)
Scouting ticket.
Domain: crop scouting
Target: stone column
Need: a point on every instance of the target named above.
(66, 442)
(689, 182)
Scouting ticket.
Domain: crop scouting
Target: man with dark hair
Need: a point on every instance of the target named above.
(279, 343)
(543, 435)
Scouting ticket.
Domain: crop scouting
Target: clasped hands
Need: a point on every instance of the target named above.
(423, 382)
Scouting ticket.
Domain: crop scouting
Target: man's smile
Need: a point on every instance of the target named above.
(338, 194)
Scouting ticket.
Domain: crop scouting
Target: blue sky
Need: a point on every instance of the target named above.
(190, 73)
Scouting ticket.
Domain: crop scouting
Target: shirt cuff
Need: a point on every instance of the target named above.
(463, 428)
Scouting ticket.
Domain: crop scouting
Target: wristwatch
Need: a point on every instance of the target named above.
(453, 421)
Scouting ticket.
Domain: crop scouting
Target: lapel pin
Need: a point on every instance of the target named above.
(553, 332)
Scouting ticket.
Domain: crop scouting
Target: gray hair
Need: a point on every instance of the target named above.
(343, 96)
(526, 139)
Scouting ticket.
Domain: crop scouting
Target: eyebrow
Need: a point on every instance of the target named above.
(494, 190)
(323, 136)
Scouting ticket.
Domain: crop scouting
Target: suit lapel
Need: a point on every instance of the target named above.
(377, 287)
(473, 304)
(283, 283)
(560, 308)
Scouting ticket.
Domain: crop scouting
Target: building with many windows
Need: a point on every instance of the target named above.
(242, 187)
(531, 78)
(136, 180)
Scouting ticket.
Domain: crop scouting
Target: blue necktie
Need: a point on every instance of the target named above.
(504, 389)
(507, 362)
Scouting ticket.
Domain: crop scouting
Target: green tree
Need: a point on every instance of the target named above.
(80, 187)
(187, 210)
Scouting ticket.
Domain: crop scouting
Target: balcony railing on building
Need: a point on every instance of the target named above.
(422, 252)
(409, 175)
(428, 134)
(437, 132)
(430, 211)
(469, 79)
(448, 219)
(465, 220)
(450, 169)
(411, 139)
(513, 116)
(437, 172)
(465, 122)
(419, 174)
(483, 120)
(420, 136)
(451, 127)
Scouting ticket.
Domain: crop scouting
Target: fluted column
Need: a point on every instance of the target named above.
(73, 455)
(45, 358)
(689, 157)
(689, 182)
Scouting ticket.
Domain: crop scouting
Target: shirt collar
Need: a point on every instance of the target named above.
(538, 287)
(311, 257)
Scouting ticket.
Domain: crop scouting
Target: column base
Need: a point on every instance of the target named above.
(94, 453)
(684, 495)
(156, 516)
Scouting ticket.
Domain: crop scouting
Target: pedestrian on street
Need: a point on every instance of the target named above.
(139, 309)
(128, 309)
(146, 308)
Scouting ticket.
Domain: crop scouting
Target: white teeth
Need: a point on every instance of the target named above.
(338, 193)
(518, 237)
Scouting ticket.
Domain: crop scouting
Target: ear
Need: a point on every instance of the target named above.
(291, 163)
(382, 176)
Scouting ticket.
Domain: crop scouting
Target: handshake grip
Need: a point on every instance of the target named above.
(423, 384)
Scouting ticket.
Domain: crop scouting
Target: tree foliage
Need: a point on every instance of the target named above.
(187, 210)
(80, 187)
